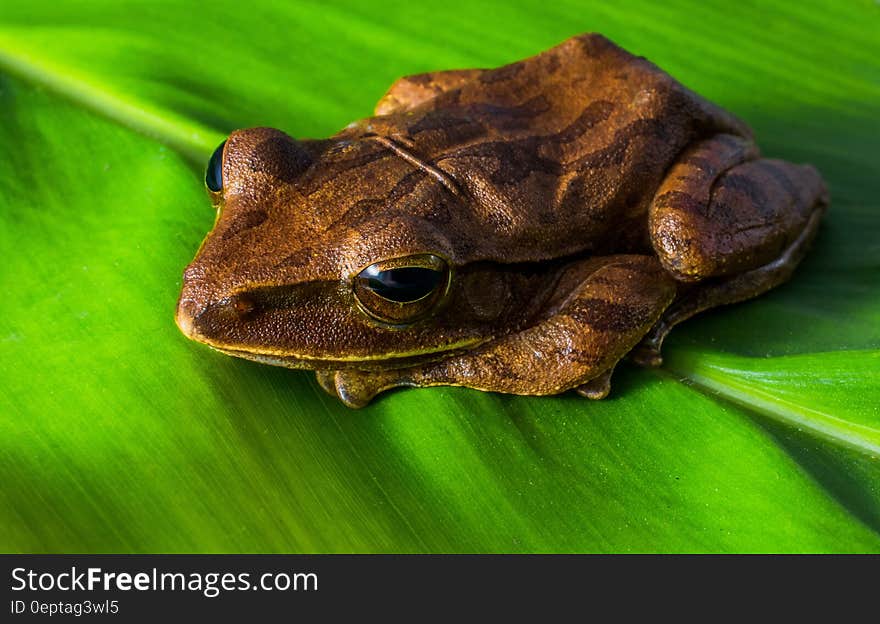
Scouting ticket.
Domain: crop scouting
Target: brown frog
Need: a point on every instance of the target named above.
(517, 230)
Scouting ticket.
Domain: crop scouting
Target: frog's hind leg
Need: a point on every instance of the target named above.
(731, 233)
(609, 304)
(722, 210)
(723, 291)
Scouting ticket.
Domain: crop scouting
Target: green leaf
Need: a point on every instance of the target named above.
(761, 432)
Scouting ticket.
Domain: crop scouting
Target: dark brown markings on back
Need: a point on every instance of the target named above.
(360, 210)
(504, 117)
(461, 123)
(421, 79)
(594, 45)
(502, 73)
(615, 152)
(595, 113)
(604, 315)
(454, 122)
(406, 185)
(580, 189)
(517, 159)
(553, 64)
(317, 177)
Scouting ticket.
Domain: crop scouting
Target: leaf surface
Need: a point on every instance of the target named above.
(760, 433)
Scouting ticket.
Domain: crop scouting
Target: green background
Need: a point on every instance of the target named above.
(761, 433)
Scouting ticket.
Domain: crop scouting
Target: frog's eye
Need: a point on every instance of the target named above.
(214, 173)
(403, 290)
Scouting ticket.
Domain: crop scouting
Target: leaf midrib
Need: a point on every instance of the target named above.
(191, 139)
(860, 438)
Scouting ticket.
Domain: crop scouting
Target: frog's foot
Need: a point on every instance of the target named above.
(647, 353)
(730, 226)
(723, 211)
(357, 388)
(597, 388)
(723, 291)
(326, 379)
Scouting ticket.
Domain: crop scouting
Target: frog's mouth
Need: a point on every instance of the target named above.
(381, 359)
(384, 362)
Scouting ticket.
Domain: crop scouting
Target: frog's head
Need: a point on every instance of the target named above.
(338, 253)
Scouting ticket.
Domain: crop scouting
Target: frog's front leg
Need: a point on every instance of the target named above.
(609, 304)
(731, 225)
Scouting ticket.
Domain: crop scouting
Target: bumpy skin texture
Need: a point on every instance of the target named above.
(584, 200)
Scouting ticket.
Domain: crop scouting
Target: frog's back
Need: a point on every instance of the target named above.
(557, 154)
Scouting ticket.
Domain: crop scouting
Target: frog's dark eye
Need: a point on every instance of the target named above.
(403, 290)
(403, 285)
(214, 173)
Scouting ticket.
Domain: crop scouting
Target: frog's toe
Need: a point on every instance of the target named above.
(598, 387)
(647, 355)
(357, 388)
(326, 379)
(344, 386)
(351, 397)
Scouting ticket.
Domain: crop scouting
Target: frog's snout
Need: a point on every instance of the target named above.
(191, 302)
(185, 317)
(196, 320)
